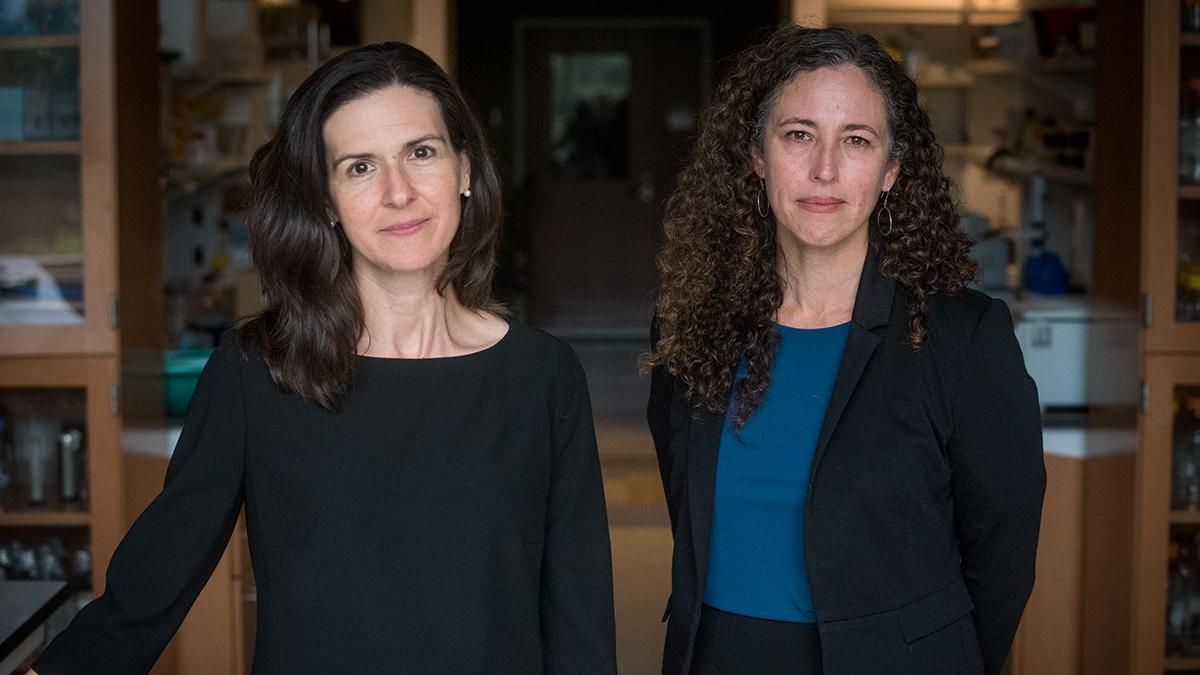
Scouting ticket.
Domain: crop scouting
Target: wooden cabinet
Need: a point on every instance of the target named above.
(1167, 491)
(48, 397)
(1171, 250)
(78, 251)
(1173, 381)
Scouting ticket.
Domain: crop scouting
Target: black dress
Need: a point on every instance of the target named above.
(450, 519)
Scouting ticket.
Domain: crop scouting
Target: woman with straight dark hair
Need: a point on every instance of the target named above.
(420, 477)
(849, 442)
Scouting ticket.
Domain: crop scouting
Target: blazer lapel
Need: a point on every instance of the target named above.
(872, 308)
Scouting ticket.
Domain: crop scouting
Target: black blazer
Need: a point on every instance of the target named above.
(924, 499)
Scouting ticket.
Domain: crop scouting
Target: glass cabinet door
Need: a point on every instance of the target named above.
(1171, 252)
(60, 466)
(57, 262)
(1187, 257)
(41, 253)
(43, 449)
(1167, 512)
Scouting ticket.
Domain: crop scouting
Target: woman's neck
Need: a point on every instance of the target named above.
(820, 285)
(408, 318)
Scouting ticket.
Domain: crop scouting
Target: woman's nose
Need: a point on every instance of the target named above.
(399, 188)
(824, 168)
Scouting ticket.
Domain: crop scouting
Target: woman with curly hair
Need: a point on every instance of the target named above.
(848, 440)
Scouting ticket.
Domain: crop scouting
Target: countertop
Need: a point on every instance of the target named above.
(24, 607)
(1063, 436)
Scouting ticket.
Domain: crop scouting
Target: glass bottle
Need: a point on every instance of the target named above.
(1177, 597)
(1187, 292)
(1177, 452)
(1185, 457)
(1189, 16)
(36, 442)
(1192, 498)
(8, 462)
(70, 448)
(1191, 291)
(1189, 569)
(1189, 133)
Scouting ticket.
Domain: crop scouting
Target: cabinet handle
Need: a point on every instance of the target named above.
(113, 311)
(114, 398)
(1147, 309)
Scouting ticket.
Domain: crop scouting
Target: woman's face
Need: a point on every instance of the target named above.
(825, 158)
(395, 181)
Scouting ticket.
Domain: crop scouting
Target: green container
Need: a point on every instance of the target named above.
(182, 368)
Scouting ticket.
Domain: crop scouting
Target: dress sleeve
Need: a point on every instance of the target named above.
(170, 551)
(578, 629)
(998, 480)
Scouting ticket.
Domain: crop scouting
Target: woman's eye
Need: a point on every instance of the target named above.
(858, 141)
(798, 135)
(359, 168)
(423, 152)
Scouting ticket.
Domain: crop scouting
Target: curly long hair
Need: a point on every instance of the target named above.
(308, 334)
(720, 283)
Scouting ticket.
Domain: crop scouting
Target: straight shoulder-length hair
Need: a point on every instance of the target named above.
(309, 331)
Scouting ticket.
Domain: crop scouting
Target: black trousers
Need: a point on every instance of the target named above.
(732, 644)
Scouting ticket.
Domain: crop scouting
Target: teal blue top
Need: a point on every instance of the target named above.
(756, 561)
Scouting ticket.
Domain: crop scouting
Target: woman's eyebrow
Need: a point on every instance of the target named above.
(845, 127)
(407, 146)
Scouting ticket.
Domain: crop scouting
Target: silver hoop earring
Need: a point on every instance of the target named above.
(885, 210)
(466, 193)
(760, 199)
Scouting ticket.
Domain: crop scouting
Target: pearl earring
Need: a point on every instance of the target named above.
(466, 193)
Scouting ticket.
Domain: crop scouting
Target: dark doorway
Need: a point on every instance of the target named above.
(591, 116)
(605, 112)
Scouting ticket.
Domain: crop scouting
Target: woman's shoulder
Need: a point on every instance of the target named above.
(967, 303)
(538, 346)
(967, 306)
(957, 318)
(236, 353)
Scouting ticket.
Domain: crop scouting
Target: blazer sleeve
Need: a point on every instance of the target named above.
(998, 480)
(658, 419)
(170, 551)
(577, 623)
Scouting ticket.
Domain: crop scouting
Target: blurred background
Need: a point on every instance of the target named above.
(1071, 131)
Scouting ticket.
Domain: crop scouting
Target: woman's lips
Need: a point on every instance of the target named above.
(406, 228)
(820, 204)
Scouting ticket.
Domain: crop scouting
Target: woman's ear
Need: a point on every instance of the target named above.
(891, 174)
(464, 179)
(757, 161)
